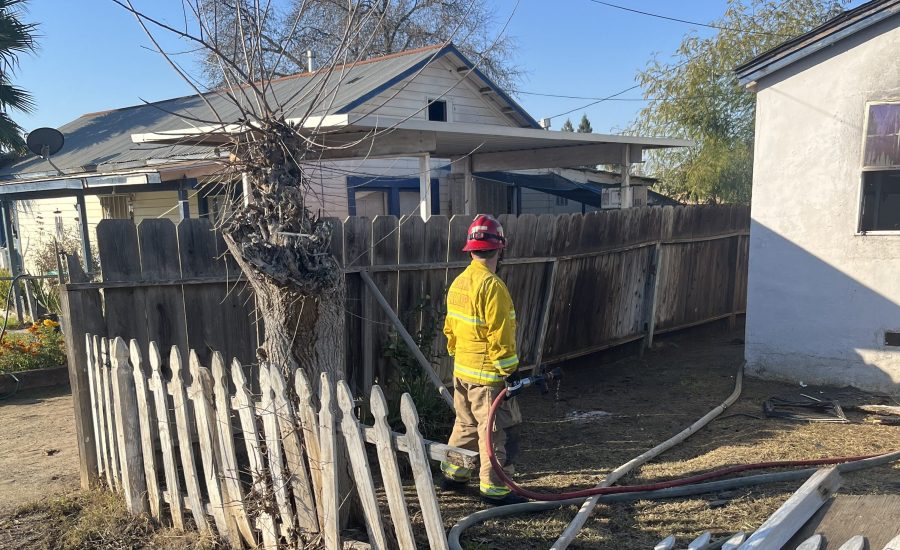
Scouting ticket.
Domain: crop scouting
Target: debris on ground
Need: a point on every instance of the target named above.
(586, 416)
(652, 398)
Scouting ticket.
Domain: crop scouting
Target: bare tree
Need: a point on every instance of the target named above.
(382, 27)
(268, 142)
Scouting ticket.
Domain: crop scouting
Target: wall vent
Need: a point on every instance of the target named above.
(892, 338)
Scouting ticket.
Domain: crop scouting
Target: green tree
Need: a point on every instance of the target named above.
(699, 98)
(567, 126)
(16, 38)
(584, 127)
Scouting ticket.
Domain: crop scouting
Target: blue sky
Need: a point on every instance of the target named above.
(94, 56)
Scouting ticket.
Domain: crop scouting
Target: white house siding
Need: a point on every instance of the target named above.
(36, 220)
(438, 80)
(820, 296)
(329, 180)
(161, 204)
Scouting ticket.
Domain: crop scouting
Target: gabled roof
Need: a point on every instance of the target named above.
(846, 24)
(101, 142)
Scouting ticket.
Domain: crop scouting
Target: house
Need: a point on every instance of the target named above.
(824, 268)
(448, 122)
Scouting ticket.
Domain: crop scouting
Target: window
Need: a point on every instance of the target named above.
(115, 207)
(881, 201)
(371, 203)
(880, 204)
(562, 201)
(375, 196)
(437, 110)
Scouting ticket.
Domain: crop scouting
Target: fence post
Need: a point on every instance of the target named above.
(128, 429)
(650, 296)
(328, 459)
(88, 320)
(545, 316)
(735, 264)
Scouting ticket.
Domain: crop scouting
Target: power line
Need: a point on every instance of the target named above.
(562, 96)
(611, 97)
(697, 23)
(600, 100)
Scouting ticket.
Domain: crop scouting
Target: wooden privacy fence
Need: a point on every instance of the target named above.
(197, 448)
(580, 283)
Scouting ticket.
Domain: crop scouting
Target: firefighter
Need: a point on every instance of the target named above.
(481, 337)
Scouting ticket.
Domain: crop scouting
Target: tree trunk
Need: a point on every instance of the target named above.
(300, 331)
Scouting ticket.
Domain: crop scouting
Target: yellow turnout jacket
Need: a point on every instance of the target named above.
(481, 327)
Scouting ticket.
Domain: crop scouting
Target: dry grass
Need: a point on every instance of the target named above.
(91, 520)
(651, 399)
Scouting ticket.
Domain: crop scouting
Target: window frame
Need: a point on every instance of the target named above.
(447, 108)
(107, 206)
(392, 186)
(865, 169)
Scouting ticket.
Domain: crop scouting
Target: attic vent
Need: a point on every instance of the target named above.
(892, 339)
(437, 110)
(354, 79)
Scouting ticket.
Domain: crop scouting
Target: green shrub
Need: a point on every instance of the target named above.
(39, 347)
(435, 418)
(5, 283)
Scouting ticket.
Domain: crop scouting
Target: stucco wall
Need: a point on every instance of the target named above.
(821, 296)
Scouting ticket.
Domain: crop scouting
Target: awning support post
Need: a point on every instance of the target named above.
(14, 268)
(469, 185)
(425, 197)
(627, 190)
(86, 256)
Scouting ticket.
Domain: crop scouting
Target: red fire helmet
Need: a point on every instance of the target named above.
(485, 233)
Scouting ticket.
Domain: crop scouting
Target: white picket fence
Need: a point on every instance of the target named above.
(259, 470)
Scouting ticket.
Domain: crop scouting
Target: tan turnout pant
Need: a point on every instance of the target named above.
(472, 403)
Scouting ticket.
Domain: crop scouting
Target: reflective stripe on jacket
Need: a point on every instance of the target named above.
(481, 327)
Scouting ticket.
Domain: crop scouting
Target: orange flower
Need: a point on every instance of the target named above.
(49, 323)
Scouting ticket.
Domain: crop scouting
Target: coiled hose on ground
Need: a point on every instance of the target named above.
(673, 492)
(670, 489)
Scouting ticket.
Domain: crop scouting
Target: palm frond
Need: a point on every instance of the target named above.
(14, 97)
(11, 135)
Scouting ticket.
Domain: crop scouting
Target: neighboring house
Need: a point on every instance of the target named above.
(439, 106)
(547, 191)
(824, 282)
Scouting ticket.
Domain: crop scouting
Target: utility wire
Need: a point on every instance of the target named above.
(626, 90)
(601, 100)
(685, 21)
(563, 96)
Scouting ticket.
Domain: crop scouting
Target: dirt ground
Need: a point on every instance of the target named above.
(650, 399)
(605, 414)
(38, 447)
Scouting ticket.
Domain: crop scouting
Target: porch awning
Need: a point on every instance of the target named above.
(550, 183)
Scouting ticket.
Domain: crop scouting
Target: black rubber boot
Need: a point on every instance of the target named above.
(505, 500)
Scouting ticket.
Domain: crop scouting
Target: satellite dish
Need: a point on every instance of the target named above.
(44, 142)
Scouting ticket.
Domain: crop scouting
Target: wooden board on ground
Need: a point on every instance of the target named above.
(877, 517)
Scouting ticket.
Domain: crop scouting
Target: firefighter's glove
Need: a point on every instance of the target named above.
(514, 385)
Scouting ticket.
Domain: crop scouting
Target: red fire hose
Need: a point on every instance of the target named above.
(585, 493)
